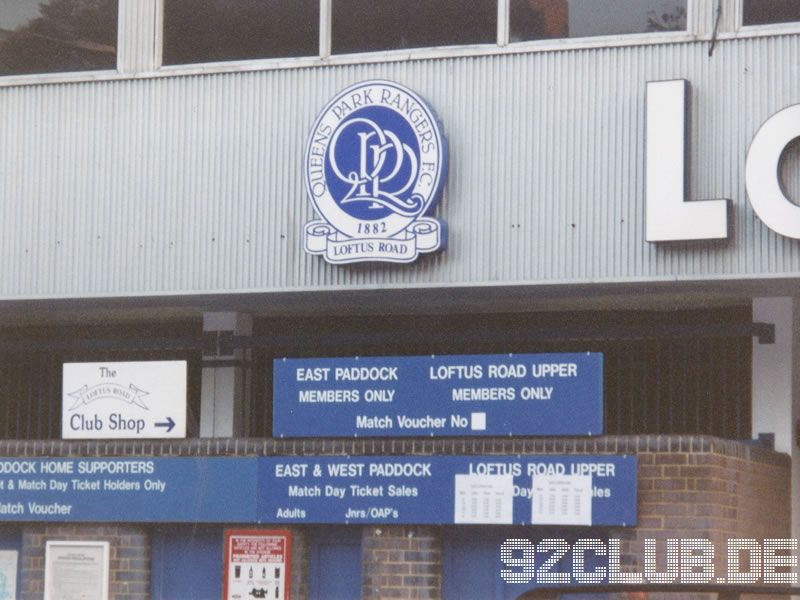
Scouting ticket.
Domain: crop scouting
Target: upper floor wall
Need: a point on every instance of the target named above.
(154, 180)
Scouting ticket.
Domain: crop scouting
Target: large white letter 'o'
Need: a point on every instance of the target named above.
(762, 173)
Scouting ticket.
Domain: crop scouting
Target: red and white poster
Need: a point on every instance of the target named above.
(257, 564)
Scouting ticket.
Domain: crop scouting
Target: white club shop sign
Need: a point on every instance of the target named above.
(124, 400)
(670, 216)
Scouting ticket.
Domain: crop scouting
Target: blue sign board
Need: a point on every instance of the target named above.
(597, 490)
(490, 395)
(449, 490)
(128, 489)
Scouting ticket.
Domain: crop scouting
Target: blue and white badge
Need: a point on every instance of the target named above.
(375, 167)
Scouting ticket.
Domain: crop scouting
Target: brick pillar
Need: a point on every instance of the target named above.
(401, 562)
(299, 586)
(704, 493)
(129, 561)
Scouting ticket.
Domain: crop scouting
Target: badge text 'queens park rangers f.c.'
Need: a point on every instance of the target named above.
(375, 167)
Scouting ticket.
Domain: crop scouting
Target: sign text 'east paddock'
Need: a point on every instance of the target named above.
(502, 394)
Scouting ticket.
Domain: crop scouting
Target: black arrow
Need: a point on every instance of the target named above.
(169, 424)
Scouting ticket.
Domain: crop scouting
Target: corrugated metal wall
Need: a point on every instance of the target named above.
(193, 184)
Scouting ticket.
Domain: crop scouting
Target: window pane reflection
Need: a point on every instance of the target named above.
(197, 31)
(46, 36)
(369, 25)
(764, 12)
(549, 19)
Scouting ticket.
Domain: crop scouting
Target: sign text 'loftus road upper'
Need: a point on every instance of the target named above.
(459, 395)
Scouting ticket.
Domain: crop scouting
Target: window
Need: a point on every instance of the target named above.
(547, 19)
(46, 36)
(370, 25)
(766, 12)
(198, 31)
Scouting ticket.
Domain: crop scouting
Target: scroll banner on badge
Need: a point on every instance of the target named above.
(109, 391)
(423, 235)
(430, 396)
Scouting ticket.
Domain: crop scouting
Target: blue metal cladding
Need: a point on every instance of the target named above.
(472, 565)
(334, 550)
(519, 394)
(187, 562)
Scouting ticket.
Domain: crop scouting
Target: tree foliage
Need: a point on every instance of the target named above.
(68, 35)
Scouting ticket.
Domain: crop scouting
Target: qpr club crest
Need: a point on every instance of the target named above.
(375, 167)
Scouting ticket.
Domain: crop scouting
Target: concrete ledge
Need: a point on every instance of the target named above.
(633, 444)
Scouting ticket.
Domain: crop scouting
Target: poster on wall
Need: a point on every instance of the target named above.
(76, 570)
(8, 574)
(257, 564)
(124, 400)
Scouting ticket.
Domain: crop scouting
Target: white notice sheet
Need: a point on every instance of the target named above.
(484, 499)
(561, 500)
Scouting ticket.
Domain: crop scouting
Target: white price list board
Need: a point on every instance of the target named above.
(561, 500)
(484, 499)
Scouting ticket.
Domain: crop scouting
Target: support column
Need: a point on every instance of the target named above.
(401, 562)
(299, 584)
(139, 35)
(225, 394)
(776, 383)
(702, 17)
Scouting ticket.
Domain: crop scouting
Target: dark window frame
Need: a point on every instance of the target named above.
(255, 40)
(552, 19)
(63, 37)
(750, 9)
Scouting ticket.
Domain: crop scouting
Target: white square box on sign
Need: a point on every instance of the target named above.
(478, 421)
(124, 400)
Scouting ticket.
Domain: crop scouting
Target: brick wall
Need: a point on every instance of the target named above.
(707, 489)
(688, 486)
(129, 561)
(401, 562)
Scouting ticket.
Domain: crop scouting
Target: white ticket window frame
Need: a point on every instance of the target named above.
(50, 586)
(9, 561)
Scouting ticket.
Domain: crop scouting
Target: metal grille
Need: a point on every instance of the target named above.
(691, 379)
(680, 383)
(31, 371)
